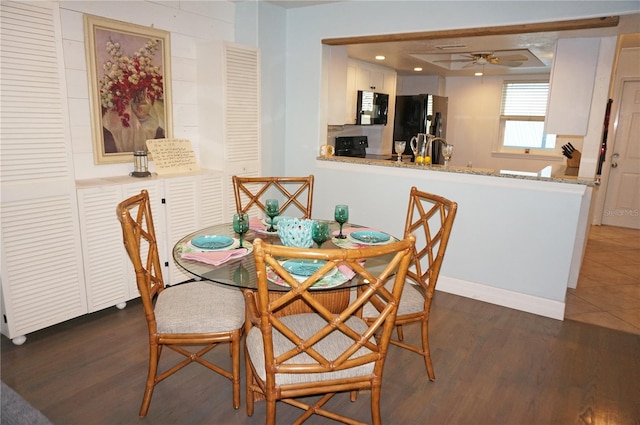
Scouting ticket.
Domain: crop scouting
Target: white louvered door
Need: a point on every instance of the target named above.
(242, 116)
(192, 202)
(42, 271)
(109, 274)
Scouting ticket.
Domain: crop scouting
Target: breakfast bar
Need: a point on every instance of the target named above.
(519, 237)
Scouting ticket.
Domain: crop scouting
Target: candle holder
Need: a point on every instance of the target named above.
(140, 164)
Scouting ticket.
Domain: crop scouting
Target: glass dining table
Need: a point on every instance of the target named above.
(240, 272)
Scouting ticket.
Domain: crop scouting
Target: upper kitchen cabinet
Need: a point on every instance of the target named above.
(571, 86)
(346, 77)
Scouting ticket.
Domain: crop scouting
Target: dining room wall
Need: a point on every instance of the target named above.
(188, 22)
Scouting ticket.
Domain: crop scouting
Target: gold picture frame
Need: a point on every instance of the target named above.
(129, 70)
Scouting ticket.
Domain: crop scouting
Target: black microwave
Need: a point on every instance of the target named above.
(372, 108)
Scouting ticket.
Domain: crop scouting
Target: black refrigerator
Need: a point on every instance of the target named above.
(422, 113)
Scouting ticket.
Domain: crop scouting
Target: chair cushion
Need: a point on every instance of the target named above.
(411, 300)
(199, 307)
(306, 325)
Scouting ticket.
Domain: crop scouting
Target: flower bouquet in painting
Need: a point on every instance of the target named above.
(131, 98)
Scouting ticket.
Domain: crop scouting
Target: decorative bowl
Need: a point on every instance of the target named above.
(295, 232)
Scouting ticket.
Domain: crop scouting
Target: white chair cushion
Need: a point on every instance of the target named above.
(411, 300)
(306, 325)
(199, 307)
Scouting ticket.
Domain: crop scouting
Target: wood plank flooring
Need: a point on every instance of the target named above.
(493, 366)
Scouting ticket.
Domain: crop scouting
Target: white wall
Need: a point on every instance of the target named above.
(187, 21)
(530, 236)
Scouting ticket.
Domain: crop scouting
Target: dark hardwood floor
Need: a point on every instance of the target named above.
(493, 366)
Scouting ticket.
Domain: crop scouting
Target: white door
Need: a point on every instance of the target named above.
(622, 202)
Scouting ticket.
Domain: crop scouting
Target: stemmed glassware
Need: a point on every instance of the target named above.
(272, 208)
(341, 215)
(320, 232)
(400, 145)
(447, 152)
(241, 225)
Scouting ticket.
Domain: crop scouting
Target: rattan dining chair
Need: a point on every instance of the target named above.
(323, 352)
(430, 218)
(190, 314)
(295, 193)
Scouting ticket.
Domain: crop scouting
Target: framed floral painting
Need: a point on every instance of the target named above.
(130, 92)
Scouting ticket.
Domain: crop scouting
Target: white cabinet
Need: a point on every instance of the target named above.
(366, 76)
(229, 113)
(571, 86)
(42, 281)
(180, 205)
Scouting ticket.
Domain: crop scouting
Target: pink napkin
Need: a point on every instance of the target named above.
(255, 223)
(346, 270)
(215, 258)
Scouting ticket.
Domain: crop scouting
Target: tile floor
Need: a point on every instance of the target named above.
(608, 290)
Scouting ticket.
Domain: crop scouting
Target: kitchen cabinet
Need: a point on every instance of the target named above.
(180, 205)
(571, 86)
(365, 76)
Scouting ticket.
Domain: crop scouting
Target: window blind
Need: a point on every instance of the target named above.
(525, 99)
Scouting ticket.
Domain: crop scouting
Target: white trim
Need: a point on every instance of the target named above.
(502, 297)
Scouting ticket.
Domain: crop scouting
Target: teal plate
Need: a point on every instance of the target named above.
(303, 267)
(212, 242)
(369, 237)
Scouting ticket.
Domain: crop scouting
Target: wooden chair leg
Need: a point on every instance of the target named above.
(400, 333)
(154, 358)
(271, 412)
(426, 351)
(376, 419)
(235, 371)
(248, 383)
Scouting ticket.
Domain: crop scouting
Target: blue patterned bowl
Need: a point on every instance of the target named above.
(295, 232)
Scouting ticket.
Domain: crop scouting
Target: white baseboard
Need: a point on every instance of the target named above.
(502, 297)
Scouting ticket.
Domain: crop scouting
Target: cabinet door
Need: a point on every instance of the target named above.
(181, 217)
(106, 266)
(154, 187)
(41, 261)
(109, 275)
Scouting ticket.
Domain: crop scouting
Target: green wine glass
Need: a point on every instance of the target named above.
(241, 225)
(320, 232)
(272, 208)
(341, 215)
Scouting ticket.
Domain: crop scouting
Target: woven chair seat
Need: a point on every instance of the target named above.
(412, 300)
(306, 325)
(199, 307)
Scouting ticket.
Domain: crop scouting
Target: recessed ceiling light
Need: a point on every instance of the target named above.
(380, 58)
(417, 69)
(478, 74)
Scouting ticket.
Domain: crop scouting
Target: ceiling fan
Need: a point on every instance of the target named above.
(488, 59)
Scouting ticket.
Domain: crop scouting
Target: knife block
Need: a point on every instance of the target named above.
(573, 164)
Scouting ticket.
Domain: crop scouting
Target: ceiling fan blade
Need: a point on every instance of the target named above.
(470, 64)
(514, 58)
(511, 64)
(454, 60)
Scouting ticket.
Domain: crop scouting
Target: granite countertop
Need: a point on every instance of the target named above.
(546, 174)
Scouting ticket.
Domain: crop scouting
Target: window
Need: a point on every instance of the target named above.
(522, 114)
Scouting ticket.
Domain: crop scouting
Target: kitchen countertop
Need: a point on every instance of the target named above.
(546, 174)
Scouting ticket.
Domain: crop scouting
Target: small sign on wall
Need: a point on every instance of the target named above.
(172, 156)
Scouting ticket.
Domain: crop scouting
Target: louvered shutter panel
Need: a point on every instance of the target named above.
(242, 120)
(42, 274)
